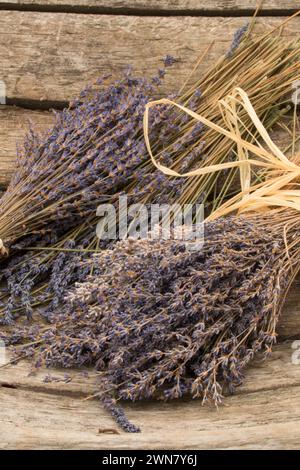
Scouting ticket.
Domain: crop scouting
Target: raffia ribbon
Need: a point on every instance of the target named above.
(281, 172)
(3, 250)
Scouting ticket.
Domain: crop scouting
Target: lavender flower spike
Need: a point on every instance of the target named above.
(237, 39)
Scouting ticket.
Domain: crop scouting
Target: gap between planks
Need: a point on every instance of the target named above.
(141, 12)
(217, 8)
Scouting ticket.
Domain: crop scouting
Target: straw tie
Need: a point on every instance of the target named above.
(280, 174)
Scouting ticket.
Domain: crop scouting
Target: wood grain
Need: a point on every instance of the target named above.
(229, 6)
(268, 418)
(14, 123)
(264, 420)
(289, 323)
(51, 56)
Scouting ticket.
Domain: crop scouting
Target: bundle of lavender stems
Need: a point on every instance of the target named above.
(158, 320)
(96, 152)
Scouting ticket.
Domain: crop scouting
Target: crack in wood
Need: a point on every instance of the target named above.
(45, 389)
(8, 385)
(135, 11)
(36, 105)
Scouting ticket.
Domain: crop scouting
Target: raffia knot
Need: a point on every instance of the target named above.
(281, 174)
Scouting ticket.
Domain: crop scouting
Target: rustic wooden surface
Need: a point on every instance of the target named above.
(49, 49)
(263, 414)
(78, 48)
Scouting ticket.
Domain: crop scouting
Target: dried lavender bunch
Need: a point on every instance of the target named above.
(94, 150)
(160, 320)
(40, 277)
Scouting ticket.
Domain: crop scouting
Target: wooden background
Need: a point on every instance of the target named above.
(49, 49)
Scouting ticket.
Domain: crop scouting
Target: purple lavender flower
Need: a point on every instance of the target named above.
(237, 38)
(169, 60)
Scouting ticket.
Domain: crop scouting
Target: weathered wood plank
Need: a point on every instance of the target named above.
(276, 372)
(50, 56)
(14, 123)
(262, 420)
(289, 323)
(191, 6)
